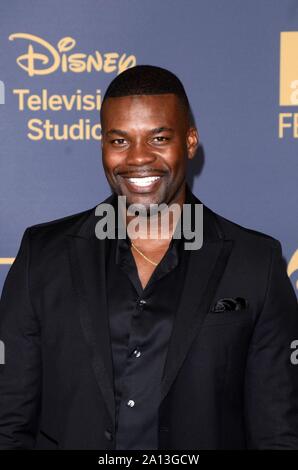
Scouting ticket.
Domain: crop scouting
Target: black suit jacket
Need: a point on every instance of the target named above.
(228, 380)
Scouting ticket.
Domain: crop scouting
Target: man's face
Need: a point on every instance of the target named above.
(146, 141)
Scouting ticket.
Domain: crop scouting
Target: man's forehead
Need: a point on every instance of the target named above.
(148, 100)
(161, 107)
(142, 113)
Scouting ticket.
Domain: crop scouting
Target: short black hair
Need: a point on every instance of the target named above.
(147, 80)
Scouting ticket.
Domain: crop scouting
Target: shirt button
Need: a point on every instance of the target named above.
(141, 303)
(131, 403)
(137, 353)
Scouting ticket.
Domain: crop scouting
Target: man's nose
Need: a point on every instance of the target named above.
(140, 154)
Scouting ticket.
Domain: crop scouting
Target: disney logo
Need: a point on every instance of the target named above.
(51, 58)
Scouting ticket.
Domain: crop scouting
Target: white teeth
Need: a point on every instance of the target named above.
(143, 181)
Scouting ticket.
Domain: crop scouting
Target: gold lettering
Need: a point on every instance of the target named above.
(34, 102)
(295, 126)
(32, 57)
(282, 125)
(82, 130)
(31, 126)
(50, 58)
(55, 103)
(126, 62)
(21, 94)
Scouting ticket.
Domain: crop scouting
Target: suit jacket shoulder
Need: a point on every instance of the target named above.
(245, 234)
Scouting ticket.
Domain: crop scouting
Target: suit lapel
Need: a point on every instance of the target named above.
(204, 272)
(87, 261)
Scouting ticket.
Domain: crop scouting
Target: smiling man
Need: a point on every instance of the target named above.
(135, 342)
(146, 141)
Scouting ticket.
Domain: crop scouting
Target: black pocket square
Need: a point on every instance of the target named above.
(229, 303)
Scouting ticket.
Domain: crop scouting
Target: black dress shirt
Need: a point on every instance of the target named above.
(141, 322)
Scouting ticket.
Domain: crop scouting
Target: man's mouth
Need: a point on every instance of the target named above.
(142, 183)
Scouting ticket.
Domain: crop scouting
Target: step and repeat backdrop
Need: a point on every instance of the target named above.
(238, 62)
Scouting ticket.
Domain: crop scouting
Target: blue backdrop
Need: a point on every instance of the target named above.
(237, 61)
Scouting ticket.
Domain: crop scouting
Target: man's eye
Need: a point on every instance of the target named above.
(117, 141)
(161, 137)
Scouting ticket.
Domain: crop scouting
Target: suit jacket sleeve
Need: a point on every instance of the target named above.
(271, 380)
(20, 375)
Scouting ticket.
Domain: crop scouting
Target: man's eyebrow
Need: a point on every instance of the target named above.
(116, 131)
(156, 130)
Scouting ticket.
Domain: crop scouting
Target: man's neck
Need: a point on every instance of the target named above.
(161, 226)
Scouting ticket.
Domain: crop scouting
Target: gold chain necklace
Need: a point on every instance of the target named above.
(142, 254)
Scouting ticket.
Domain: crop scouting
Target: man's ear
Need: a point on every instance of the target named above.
(192, 142)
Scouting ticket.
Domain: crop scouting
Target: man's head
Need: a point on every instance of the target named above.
(147, 135)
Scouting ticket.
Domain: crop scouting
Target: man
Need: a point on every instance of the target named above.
(138, 343)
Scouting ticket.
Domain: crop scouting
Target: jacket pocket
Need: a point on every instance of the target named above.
(227, 317)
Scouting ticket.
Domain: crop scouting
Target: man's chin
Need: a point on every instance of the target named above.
(144, 202)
